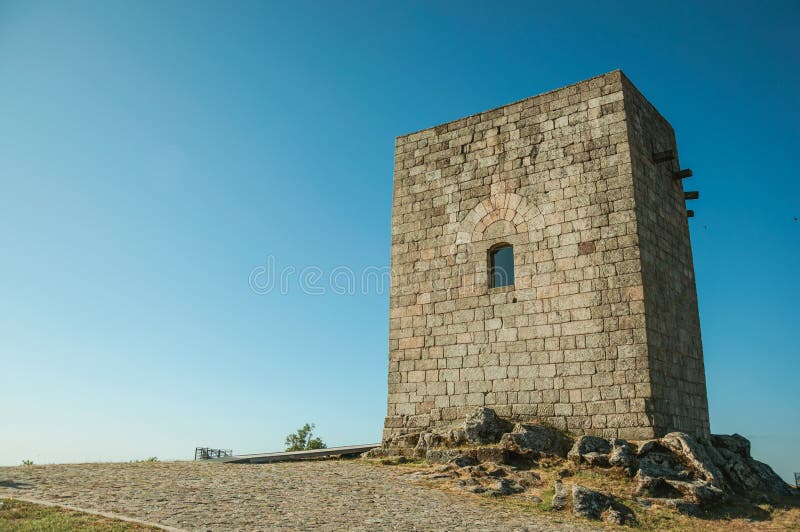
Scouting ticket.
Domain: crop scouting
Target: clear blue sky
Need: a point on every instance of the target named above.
(152, 154)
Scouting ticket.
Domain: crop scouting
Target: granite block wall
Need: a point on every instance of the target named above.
(575, 342)
(672, 321)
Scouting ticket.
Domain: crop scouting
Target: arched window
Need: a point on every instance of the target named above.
(501, 265)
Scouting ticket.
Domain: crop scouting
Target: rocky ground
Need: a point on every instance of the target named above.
(326, 495)
(675, 480)
(483, 474)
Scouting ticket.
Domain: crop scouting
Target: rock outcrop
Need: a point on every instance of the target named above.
(538, 439)
(561, 496)
(745, 474)
(593, 450)
(592, 504)
(483, 426)
(489, 455)
(622, 455)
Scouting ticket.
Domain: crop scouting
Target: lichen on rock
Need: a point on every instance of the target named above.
(489, 455)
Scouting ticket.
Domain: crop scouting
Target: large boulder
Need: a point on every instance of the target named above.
(595, 505)
(402, 441)
(696, 456)
(483, 426)
(731, 454)
(561, 495)
(657, 461)
(735, 443)
(539, 439)
(397, 445)
(588, 503)
(704, 471)
(655, 487)
(593, 450)
(445, 437)
(622, 455)
(698, 491)
(678, 466)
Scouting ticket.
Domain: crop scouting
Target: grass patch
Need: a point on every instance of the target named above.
(19, 516)
(547, 499)
(412, 463)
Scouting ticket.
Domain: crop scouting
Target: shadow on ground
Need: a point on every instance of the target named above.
(14, 485)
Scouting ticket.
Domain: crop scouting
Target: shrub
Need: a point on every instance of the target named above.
(302, 440)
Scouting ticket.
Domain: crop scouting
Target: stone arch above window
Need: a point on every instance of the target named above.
(510, 207)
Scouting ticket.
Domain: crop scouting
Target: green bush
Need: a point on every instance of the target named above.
(302, 440)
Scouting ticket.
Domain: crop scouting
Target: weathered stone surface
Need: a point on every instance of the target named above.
(561, 496)
(588, 503)
(402, 441)
(677, 466)
(698, 491)
(595, 505)
(537, 438)
(483, 426)
(386, 452)
(704, 471)
(645, 447)
(622, 455)
(684, 507)
(618, 514)
(487, 478)
(696, 456)
(464, 460)
(597, 447)
(658, 461)
(492, 454)
(731, 454)
(768, 481)
(596, 459)
(444, 437)
(504, 486)
(654, 487)
(734, 443)
(440, 456)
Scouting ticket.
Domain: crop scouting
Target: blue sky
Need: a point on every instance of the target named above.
(155, 153)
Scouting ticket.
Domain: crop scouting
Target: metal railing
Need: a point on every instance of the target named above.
(207, 453)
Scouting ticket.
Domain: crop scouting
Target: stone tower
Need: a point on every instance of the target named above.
(599, 332)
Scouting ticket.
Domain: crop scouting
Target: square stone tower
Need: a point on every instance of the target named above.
(595, 329)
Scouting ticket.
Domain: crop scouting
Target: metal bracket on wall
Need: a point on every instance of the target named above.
(663, 156)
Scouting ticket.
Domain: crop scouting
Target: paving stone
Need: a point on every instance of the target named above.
(313, 495)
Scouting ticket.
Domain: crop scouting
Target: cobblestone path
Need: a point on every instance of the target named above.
(322, 495)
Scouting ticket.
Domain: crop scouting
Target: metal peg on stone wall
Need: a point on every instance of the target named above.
(663, 156)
